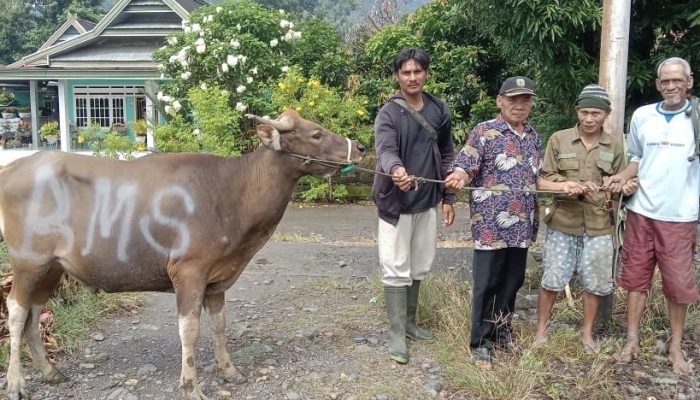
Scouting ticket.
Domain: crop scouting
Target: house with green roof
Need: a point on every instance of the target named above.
(87, 72)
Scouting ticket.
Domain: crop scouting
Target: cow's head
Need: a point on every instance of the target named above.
(293, 134)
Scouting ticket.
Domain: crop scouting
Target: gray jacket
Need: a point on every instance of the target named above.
(401, 141)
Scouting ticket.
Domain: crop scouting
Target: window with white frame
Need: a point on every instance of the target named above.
(102, 104)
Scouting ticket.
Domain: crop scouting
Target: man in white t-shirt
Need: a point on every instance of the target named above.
(662, 214)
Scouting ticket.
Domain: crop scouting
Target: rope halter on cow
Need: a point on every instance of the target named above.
(346, 166)
(286, 123)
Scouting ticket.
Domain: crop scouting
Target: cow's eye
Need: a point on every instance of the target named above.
(318, 135)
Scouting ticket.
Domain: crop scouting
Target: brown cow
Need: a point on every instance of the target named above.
(183, 222)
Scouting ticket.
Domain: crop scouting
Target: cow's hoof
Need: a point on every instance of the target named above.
(17, 395)
(196, 394)
(54, 377)
(236, 378)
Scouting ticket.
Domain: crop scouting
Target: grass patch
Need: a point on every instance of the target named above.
(561, 370)
(76, 314)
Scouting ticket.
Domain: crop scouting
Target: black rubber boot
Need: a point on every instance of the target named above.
(395, 299)
(413, 331)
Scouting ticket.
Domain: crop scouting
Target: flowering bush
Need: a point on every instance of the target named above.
(344, 114)
(235, 46)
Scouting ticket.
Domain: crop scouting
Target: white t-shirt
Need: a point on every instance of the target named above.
(661, 141)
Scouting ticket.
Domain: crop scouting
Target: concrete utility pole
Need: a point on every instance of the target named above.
(614, 45)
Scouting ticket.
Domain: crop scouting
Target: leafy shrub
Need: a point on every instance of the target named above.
(116, 146)
(344, 114)
(321, 190)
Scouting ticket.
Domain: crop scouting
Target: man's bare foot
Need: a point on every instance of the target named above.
(540, 341)
(591, 347)
(629, 352)
(680, 365)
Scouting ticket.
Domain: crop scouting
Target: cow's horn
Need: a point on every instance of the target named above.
(282, 124)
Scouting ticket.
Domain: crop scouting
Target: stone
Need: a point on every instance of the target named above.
(146, 369)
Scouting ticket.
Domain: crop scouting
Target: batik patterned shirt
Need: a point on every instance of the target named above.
(496, 157)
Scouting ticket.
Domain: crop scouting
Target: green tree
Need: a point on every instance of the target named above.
(26, 25)
(15, 21)
(320, 52)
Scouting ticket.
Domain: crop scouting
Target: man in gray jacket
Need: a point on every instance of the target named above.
(413, 139)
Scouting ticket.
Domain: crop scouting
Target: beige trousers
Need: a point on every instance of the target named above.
(407, 250)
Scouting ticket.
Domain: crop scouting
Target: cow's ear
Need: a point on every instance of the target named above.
(269, 136)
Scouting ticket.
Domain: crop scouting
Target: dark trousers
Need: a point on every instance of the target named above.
(497, 276)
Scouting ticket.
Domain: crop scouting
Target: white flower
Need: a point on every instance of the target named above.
(187, 29)
(241, 107)
(238, 26)
(274, 42)
(177, 106)
(201, 46)
(235, 43)
(169, 110)
(242, 59)
(196, 132)
(167, 99)
(249, 79)
(291, 25)
(186, 75)
(291, 35)
(231, 60)
(203, 86)
(209, 18)
(172, 40)
(159, 96)
(281, 11)
(172, 58)
(285, 68)
(240, 89)
(224, 67)
(196, 27)
(219, 9)
(254, 71)
(284, 23)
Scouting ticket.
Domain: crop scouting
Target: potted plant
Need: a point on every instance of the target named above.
(6, 97)
(140, 129)
(24, 112)
(8, 113)
(49, 132)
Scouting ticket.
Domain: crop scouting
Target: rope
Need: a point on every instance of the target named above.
(420, 179)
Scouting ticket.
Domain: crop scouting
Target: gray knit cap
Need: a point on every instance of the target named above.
(593, 96)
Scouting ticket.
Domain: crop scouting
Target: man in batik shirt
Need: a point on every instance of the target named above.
(503, 153)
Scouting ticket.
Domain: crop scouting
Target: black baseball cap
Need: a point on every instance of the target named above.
(517, 85)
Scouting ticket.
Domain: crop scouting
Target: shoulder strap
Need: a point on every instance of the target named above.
(695, 119)
(419, 118)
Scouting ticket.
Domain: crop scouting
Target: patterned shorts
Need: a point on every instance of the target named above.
(590, 256)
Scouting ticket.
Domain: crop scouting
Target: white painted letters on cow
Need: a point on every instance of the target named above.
(107, 214)
(48, 192)
(158, 217)
(113, 207)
